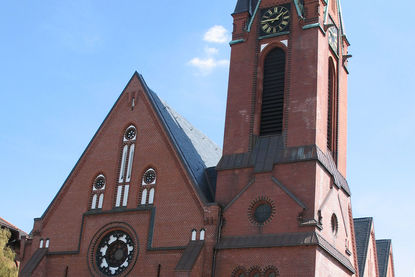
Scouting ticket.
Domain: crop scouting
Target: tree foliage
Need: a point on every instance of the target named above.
(7, 265)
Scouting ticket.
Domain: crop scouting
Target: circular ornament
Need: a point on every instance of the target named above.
(100, 182)
(130, 133)
(261, 211)
(149, 177)
(115, 253)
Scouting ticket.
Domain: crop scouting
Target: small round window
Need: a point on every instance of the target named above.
(130, 133)
(99, 182)
(149, 177)
(261, 211)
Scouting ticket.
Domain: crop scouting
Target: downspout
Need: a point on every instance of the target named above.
(218, 236)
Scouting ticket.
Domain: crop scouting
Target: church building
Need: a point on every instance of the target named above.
(152, 196)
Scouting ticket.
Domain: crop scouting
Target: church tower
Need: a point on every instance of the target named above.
(281, 180)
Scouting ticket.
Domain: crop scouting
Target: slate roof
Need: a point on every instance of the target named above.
(197, 151)
(362, 227)
(5, 223)
(246, 6)
(284, 240)
(383, 248)
(270, 150)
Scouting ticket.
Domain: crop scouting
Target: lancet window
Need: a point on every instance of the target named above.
(126, 165)
(332, 112)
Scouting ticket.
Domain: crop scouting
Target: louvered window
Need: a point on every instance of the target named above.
(273, 93)
(332, 112)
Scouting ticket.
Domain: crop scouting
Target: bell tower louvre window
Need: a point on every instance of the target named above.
(272, 108)
(332, 112)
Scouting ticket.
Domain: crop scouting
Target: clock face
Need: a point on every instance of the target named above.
(275, 20)
(333, 34)
(130, 133)
(115, 253)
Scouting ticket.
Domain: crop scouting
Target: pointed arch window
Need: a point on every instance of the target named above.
(272, 108)
(97, 195)
(332, 112)
(148, 187)
(126, 166)
(202, 234)
(194, 233)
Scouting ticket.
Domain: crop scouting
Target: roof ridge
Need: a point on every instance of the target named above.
(363, 218)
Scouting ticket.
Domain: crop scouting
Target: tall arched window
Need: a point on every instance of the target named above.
(332, 112)
(98, 189)
(126, 165)
(272, 108)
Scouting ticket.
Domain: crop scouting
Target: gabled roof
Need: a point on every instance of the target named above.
(383, 248)
(362, 228)
(197, 151)
(8, 225)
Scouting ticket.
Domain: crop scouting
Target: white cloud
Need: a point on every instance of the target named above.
(217, 34)
(206, 66)
(211, 51)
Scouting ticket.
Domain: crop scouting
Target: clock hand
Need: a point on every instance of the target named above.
(281, 14)
(274, 19)
(269, 20)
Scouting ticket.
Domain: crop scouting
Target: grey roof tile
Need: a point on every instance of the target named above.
(198, 152)
(362, 228)
(383, 247)
(246, 6)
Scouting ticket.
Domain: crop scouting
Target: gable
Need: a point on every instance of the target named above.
(365, 245)
(383, 248)
(263, 188)
(194, 150)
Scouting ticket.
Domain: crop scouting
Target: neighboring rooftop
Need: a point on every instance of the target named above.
(8, 225)
(362, 227)
(383, 248)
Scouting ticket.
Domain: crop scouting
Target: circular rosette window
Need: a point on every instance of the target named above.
(261, 211)
(114, 252)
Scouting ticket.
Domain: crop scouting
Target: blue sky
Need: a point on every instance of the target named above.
(64, 63)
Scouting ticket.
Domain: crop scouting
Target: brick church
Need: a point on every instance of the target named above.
(152, 196)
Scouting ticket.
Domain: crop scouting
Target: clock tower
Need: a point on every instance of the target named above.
(281, 181)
